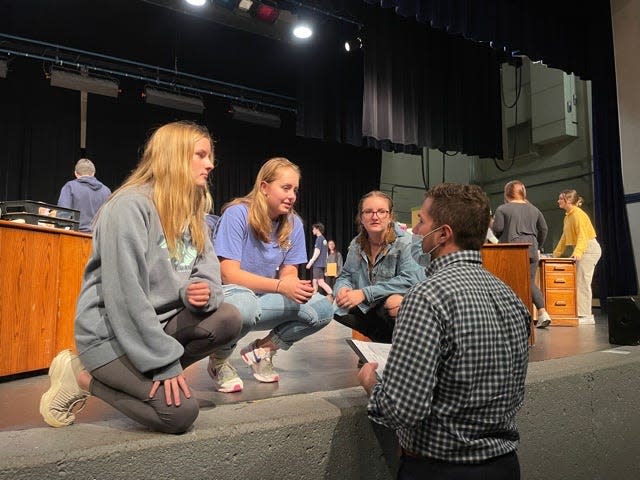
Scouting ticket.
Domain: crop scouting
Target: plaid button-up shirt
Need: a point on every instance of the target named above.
(454, 380)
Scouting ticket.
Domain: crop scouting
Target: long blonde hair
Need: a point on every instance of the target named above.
(256, 202)
(166, 165)
(363, 237)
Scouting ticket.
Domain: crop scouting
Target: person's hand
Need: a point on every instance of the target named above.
(367, 376)
(349, 298)
(198, 294)
(172, 388)
(308, 266)
(300, 291)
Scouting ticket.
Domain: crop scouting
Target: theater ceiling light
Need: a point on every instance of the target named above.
(173, 100)
(249, 115)
(83, 82)
(196, 3)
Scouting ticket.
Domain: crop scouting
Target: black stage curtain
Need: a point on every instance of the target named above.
(576, 37)
(329, 90)
(423, 87)
(39, 145)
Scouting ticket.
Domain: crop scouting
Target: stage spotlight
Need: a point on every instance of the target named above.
(265, 12)
(173, 100)
(196, 3)
(302, 30)
(355, 44)
(84, 83)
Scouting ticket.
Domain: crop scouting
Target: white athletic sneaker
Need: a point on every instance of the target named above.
(543, 320)
(225, 377)
(587, 320)
(261, 362)
(64, 395)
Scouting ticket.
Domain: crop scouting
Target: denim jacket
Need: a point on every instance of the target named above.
(395, 271)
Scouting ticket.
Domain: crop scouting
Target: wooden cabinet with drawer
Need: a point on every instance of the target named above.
(558, 285)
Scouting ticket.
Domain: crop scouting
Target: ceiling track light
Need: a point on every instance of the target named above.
(83, 82)
(196, 3)
(352, 45)
(256, 117)
(177, 101)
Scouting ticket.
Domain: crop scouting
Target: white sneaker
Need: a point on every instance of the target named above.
(57, 405)
(260, 361)
(544, 320)
(225, 377)
(587, 320)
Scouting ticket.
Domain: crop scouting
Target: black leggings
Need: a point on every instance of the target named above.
(123, 387)
(376, 324)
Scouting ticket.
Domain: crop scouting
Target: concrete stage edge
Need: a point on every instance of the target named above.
(579, 421)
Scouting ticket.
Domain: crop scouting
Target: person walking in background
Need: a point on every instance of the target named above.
(378, 271)
(334, 263)
(86, 193)
(454, 379)
(260, 242)
(578, 241)
(151, 302)
(318, 260)
(518, 221)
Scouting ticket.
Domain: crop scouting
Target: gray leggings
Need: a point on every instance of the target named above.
(123, 387)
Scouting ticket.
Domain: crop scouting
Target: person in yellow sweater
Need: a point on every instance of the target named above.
(579, 237)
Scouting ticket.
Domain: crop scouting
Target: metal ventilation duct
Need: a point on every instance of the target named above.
(173, 100)
(252, 116)
(84, 83)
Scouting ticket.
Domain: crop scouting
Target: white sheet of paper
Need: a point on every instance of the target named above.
(374, 352)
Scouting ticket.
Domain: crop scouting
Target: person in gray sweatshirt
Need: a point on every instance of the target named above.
(151, 301)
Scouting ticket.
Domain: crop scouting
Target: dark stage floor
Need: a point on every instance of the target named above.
(322, 362)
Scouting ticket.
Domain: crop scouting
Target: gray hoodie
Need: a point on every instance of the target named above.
(131, 288)
(86, 194)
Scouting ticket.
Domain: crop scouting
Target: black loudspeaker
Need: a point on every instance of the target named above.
(624, 320)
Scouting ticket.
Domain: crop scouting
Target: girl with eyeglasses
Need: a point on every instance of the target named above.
(378, 271)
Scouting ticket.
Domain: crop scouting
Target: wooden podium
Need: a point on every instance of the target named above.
(41, 276)
(510, 263)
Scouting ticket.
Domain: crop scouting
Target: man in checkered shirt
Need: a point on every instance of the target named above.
(454, 379)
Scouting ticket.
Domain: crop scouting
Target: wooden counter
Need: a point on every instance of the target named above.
(41, 273)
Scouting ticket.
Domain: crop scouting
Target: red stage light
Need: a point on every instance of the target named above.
(265, 13)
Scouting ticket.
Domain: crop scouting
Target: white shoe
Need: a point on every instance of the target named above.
(587, 320)
(225, 377)
(260, 361)
(544, 320)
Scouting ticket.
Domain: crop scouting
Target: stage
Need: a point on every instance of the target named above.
(322, 362)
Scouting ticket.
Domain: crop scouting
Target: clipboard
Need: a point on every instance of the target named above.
(371, 352)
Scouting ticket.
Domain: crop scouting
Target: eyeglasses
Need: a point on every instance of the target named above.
(380, 213)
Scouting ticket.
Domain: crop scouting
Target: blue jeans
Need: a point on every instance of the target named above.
(288, 321)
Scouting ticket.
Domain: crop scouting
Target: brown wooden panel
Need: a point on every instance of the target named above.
(566, 280)
(28, 310)
(557, 266)
(74, 253)
(510, 263)
(41, 271)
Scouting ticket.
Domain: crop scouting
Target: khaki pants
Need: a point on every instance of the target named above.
(584, 275)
